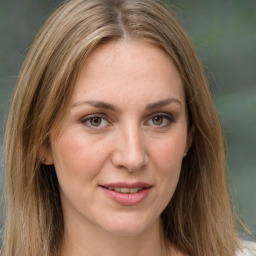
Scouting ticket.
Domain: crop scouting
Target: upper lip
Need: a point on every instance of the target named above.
(127, 184)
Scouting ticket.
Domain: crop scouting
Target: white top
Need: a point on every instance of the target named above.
(248, 250)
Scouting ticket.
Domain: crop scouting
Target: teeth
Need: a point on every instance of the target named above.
(126, 190)
(134, 190)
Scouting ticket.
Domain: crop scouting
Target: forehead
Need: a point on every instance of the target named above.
(124, 69)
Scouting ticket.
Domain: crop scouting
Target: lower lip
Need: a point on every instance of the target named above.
(129, 198)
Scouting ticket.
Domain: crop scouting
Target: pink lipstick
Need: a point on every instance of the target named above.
(127, 194)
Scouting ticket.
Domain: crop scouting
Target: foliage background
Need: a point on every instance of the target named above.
(224, 36)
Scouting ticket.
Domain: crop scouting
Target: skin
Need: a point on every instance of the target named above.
(139, 135)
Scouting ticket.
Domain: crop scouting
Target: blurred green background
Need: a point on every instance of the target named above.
(224, 36)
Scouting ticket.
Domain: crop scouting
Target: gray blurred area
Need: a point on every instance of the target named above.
(224, 35)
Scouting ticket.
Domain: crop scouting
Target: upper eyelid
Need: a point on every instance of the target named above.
(164, 114)
(88, 117)
(101, 115)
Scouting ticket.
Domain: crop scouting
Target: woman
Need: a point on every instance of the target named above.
(112, 144)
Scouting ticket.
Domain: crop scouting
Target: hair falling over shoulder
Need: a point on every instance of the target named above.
(198, 219)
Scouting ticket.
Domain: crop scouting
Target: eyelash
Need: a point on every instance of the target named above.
(167, 119)
(87, 119)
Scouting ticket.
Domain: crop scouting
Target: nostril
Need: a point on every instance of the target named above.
(129, 162)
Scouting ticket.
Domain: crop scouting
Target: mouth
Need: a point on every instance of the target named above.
(127, 193)
(125, 190)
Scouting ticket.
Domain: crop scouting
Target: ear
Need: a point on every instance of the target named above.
(44, 155)
(190, 138)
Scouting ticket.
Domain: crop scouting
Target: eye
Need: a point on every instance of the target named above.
(94, 121)
(161, 120)
(157, 120)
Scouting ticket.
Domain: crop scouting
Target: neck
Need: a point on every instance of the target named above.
(95, 241)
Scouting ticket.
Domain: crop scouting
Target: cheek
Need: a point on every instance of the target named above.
(75, 155)
(169, 154)
(78, 160)
(168, 157)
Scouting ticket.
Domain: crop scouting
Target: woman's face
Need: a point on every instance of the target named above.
(119, 154)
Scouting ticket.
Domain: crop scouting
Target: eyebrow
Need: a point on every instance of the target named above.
(97, 104)
(105, 105)
(162, 103)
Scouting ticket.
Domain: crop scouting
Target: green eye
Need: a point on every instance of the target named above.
(157, 120)
(161, 120)
(95, 121)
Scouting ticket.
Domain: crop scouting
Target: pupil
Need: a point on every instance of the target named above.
(158, 120)
(96, 121)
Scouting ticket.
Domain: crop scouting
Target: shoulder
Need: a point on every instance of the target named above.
(248, 249)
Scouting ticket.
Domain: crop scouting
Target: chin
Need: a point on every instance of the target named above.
(126, 231)
(125, 227)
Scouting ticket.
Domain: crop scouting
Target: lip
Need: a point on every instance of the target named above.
(128, 199)
(127, 184)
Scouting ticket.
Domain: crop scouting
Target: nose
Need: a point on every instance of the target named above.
(130, 152)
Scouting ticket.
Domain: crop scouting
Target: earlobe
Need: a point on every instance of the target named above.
(44, 155)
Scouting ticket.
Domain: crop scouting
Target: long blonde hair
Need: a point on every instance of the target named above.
(198, 219)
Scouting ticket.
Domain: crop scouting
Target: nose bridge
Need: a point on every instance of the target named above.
(130, 151)
(133, 141)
